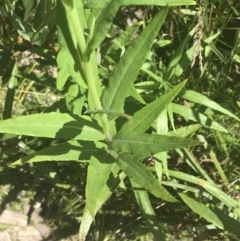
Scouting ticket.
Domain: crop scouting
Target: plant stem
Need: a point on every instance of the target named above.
(86, 65)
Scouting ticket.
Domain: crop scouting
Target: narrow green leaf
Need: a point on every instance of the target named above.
(123, 39)
(12, 84)
(104, 3)
(49, 173)
(175, 68)
(40, 14)
(134, 93)
(86, 222)
(53, 125)
(127, 69)
(63, 71)
(231, 225)
(142, 145)
(190, 114)
(202, 210)
(209, 187)
(185, 131)
(99, 182)
(67, 151)
(68, 59)
(139, 174)
(162, 129)
(144, 118)
(148, 211)
(103, 24)
(203, 100)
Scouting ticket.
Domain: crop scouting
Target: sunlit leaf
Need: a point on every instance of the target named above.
(104, 3)
(143, 119)
(128, 68)
(53, 125)
(191, 114)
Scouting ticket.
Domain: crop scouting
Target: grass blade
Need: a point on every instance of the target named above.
(203, 100)
(147, 211)
(202, 210)
(190, 114)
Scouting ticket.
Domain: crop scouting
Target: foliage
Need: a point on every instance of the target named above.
(128, 101)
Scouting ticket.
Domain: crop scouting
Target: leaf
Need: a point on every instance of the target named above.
(40, 14)
(143, 177)
(104, 3)
(53, 125)
(142, 145)
(217, 218)
(231, 225)
(12, 84)
(209, 187)
(123, 39)
(144, 118)
(185, 131)
(134, 93)
(189, 113)
(147, 211)
(86, 222)
(67, 59)
(127, 69)
(202, 210)
(101, 180)
(66, 151)
(203, 100)
(63, 68)
(178, 56)
(162, 129)
(102, 25)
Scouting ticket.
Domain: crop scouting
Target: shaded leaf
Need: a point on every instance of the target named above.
(202, 210)
(147, 211)
(142, 145)
(143, 177)
(101, 180)
(67, 151)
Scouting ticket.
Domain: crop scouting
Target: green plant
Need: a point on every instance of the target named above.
(105, 126)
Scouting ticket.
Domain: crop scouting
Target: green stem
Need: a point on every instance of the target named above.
(86, 64)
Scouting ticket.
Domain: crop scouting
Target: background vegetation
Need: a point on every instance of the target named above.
(187, 68)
